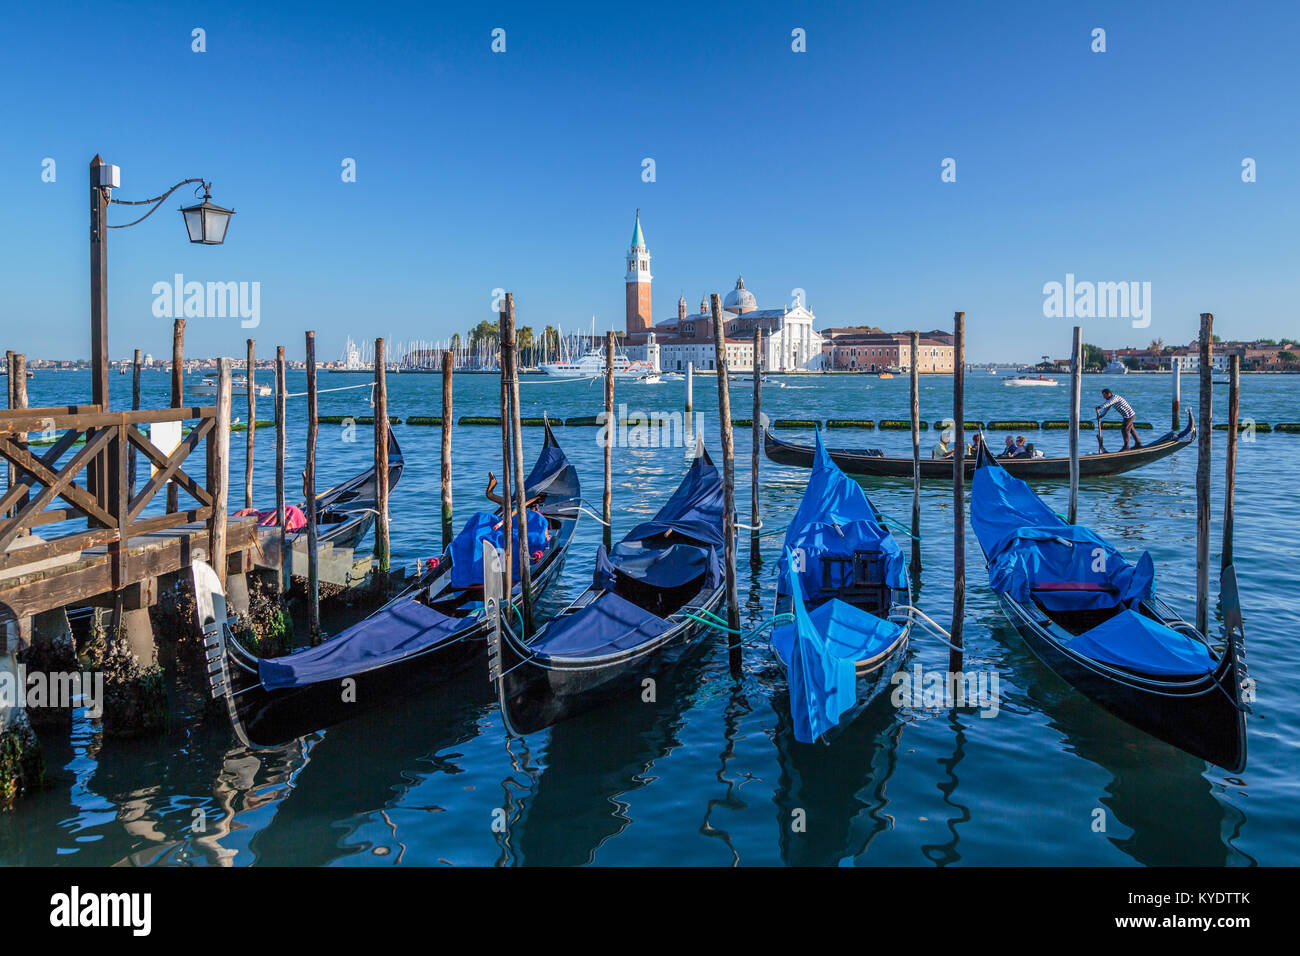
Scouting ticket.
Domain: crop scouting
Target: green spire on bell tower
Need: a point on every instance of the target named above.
(638, 240)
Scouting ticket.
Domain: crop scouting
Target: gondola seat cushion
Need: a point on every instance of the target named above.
(383, 638)
(1135, 642)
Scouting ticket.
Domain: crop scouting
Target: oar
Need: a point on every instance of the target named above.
(1101, 449)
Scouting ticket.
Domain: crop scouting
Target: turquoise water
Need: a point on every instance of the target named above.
(710, 774)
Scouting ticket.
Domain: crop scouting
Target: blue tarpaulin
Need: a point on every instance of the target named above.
(835, 519)
(605, 626)
(386, 636)
(1134, 641)
(819, 651)
(1032, 552)
(467, 548)
(694, 511)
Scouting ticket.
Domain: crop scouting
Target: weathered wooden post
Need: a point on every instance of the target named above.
(728, 486)
(690, 388)
(10, 378)
(1177, 364)
(958, 488)
(281, 447)
(18, 399)
(611, 430)
(507, 520)
(1230, 473)
(252, 426)
(756, 559)
(1204, 448)
(915, 382)
(178, 397)
(1076, 398)
(221, 471)
(510, 366)
(309, 495)
(448, 363)
(136, 362)
(381, 458)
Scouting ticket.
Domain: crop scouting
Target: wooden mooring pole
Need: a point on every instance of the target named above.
(448, 360)
(728, 486)
(510, 362)
(137, 361)
(507, 522)
(309, 495)
(381, 458)
(611, 430)
(958, 488)
(1076, 398)
(915, 382)
(221, 471)
(690, 388)
(1177, 364)
(755, 522)
(178, 397)
(281, 447)
(252, 425)
(1230, 472)
(1204, 449)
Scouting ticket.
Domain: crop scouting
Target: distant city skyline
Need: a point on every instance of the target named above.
(390, 172)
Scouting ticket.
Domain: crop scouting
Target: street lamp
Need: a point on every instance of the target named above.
(205, 222)
(206, 225)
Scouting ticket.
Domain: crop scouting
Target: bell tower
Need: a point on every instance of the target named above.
(639, 316)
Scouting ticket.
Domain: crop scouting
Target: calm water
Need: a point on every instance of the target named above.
(711, 775)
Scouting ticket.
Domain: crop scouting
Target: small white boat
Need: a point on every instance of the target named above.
(592, 365)
(1116, 368)
(238, 386)
(1030, 380)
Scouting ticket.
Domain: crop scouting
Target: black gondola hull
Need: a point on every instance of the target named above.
(1200, 717)
(534, 695)
(1090, 466)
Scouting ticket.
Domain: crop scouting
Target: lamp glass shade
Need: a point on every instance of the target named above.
(207, 223)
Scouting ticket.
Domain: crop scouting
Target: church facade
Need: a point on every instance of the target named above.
(789, 343)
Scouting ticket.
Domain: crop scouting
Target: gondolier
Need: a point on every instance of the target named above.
(1128, 428)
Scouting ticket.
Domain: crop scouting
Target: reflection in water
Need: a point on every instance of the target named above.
(831, 798)
(360, 769)
(1161, 794)
(944, 853)
(570, 807)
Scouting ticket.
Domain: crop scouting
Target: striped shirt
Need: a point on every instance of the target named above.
(1117, 402)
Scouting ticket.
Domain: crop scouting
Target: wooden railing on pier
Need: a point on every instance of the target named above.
(46, 491)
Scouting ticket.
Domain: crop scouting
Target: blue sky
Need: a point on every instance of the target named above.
(522, 170)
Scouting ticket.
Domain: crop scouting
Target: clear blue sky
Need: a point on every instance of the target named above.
(522, 170)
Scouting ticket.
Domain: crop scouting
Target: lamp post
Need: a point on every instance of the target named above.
(206, 224)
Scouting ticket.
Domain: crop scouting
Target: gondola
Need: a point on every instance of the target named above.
(1094, 619)
(346, 512)
(843, 580)
(638, 619)
(872, 462)
(435, 628)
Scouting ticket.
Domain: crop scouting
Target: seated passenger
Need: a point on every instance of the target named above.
(1009, 450)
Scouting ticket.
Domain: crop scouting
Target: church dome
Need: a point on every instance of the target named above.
(740, 300)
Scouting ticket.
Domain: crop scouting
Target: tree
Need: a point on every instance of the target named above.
(1157, 345)
(1288, 358)
(1093, 357)
(525, 343)
(455, 342)
(484, 331)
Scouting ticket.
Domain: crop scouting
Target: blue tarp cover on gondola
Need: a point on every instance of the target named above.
(1033, 553)
(553, 476)
(1136, 642)
(467, 551)
(820, 650)
(694, 510)
(835, 519)
(608, 625)
(386, 636)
